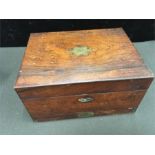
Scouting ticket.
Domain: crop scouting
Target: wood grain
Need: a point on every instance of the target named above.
(58, 68)
(61, 107)
(84, 88)
(48, 60)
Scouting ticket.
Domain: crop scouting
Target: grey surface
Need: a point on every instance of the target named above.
(14, 118)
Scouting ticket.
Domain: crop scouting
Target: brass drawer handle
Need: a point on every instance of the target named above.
(85, 114)
(85, 99)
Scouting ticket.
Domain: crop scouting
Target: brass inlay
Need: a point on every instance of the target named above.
(80, 51)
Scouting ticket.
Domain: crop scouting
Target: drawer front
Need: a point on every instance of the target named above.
(83, 105)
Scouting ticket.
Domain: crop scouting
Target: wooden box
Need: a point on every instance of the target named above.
(80, 74)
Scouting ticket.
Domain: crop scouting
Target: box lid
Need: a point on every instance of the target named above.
(57, 58)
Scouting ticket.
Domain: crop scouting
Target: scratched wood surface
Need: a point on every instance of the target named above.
(49, 60)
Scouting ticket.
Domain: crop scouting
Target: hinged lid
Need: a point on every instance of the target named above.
(58, 58)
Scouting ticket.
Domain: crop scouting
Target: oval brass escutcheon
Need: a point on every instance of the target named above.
(85, 99)
(85, 114)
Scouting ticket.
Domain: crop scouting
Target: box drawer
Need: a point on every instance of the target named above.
(83, 105)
